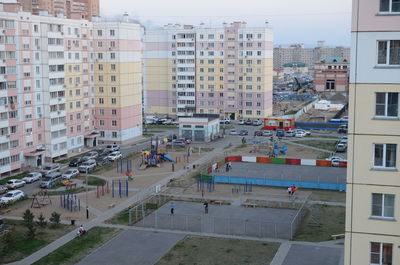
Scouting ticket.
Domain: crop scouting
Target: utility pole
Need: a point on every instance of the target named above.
(87, 203)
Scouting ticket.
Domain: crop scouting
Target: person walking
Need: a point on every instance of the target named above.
(172, 207)
(230, 165)
(206, 207)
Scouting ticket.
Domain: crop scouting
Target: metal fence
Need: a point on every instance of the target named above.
(146, 206)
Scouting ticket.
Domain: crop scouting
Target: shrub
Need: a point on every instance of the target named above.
(29, 223)
(41, 221)
(55, 218)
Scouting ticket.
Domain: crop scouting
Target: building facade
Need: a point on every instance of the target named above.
(64, 86)
(76, 9)
(220, 70)
(373, 189)
(298, 53)
(331, 75)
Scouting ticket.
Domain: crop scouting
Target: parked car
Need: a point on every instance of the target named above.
(102, 161)
(225, 121)
(267, 133)
(185, 140)
(258, 133)
(257, 122)
(341, 147)
(342, 128)
(168, 122)
(300, 134)
(303, 131)
(70, 173)
(343, 140)
(15, 183)
(103, 152)
(50, 169)
(113, 147)
(243, 132)
(179, 143)
(241, 122)
(92, 155)
(248, 122)
(12, 196)
(32, 177)
(50, 180)
(233, 132)
(76, 162)
(290, 133)
(3, 189)
(87, 166)
(172, 137)
(114, 156)
(336, 161)
(280, 133)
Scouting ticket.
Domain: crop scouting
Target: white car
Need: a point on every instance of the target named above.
(241, 122)
(15, 183)
(114, 156)
(290, 133)
(233, 132)
(70, 173)
(300, 134)
(336, 161)
(11, 196)
(32, 177)
(303, 131)
(113, 147)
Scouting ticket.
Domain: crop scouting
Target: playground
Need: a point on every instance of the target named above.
(224, 219)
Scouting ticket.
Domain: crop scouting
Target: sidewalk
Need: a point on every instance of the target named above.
(111, 212)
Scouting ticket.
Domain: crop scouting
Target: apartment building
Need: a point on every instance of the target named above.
(298, 53)
(331, 75)
(373, 189)
(64, 86)
(214, 70)
(75, 9)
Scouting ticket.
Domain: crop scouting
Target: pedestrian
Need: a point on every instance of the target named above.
(230, 165)
(202, 193)
(227, 167)
(289, 190)
(294, 189)
(172, 206)
(206, 207)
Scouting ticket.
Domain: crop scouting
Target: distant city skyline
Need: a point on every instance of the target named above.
(293, 21)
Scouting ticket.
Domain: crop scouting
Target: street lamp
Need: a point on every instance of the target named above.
(87, 204)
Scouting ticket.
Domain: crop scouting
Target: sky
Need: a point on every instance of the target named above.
(293, 21)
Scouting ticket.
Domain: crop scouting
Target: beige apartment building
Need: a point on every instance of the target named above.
(373, 178)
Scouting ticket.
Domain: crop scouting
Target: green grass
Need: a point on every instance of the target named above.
(291, 112)
(321, 223)
(17, 176)
(78, 248)
(67, 160)
(326, 145)
(121, 218)
(94, 181)
(69, 191)
(148, 134)
(217, 251)
(328, 196)
(19, 247)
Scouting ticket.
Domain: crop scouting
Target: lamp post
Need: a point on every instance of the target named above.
(87, 204)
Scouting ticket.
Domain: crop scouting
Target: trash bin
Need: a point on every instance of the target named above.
(72, 221)
(194, 166)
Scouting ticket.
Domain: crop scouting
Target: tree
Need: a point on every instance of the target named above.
(41, 221)
(29, 223)
(55, 218)
(7, 241)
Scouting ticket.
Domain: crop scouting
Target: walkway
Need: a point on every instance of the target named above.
(113, 211)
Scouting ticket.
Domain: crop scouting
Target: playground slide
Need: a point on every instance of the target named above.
(168, 158)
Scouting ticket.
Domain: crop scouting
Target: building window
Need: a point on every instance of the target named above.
(389, 6)
(114, 135)
(113, 101)
(385, 155)
(382, 205)
(381, 253)
(330, 84)
(114, 123)
(102, 134)
(389, 52)
(387, 104)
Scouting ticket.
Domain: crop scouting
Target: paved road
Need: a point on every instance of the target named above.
(133, 247)
(288, 172)
(312, 255)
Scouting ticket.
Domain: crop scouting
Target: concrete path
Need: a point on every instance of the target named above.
(133, 247)
(111, 212)
(312, 255)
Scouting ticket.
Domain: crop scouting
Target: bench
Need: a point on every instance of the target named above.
(338, 236)
(112, 205)
(72, 219)
(247, 204)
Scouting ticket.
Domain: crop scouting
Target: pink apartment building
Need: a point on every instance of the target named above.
(331, 75)
(52, 103)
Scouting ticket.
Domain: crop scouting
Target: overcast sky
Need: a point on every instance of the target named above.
(293, 21)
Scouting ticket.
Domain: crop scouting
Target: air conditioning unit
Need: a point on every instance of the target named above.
(7, 135)
(40, 148)
(58, 112)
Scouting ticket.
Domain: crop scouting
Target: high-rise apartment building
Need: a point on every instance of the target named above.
(64, 85)
(216, 70)
(76, 9)
(297, 53)
(373, 189)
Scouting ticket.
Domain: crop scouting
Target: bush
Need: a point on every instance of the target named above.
(55, 218)
(29, 223)
(41, 221)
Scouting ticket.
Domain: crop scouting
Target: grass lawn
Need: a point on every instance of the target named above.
(78, 248)
(328, 196)
(94, 181)
(67, 160)
(148, 134)
(326, 145)
(210, 250)
(321, 223)
(69, 191)
(20, 247)
(18, 176)
(121, 218)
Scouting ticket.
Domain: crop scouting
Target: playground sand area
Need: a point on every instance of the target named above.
(293, 151)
